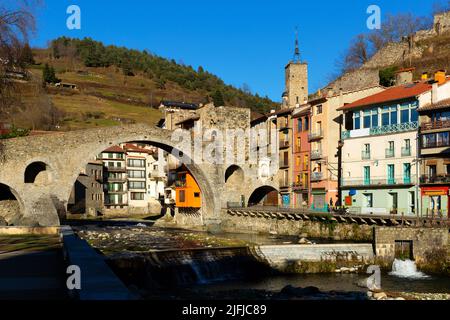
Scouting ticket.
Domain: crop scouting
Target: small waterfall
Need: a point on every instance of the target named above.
(406, 269)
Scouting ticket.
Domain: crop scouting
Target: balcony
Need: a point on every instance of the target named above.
(365, 155)
(406, 151)
(436, 144)
(116, 169)
(316, 176)
(299, 186)
(390, 153)
(384, 130)
(316, 154)
(434, 178)
(315, 135)
(378, 181)
(442, 124)
(284, 144)
(284, 183)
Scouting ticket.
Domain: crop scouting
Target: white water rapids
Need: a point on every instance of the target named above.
(406, 269)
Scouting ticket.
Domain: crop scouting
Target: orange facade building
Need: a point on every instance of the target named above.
(187, 190)
(301, 156)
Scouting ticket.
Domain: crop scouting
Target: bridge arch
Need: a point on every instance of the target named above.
(264, 195)
(234, 174)
(11, 205)
(37, 172)
(208, 196)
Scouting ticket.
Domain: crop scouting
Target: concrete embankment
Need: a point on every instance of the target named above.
(315, 258)
(98, 282)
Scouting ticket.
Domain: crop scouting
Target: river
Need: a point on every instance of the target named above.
(211, 278)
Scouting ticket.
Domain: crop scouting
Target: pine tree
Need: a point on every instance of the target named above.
(218, 98)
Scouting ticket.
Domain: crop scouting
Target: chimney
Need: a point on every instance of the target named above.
(424, 76)
(434, 93)
(439, 76)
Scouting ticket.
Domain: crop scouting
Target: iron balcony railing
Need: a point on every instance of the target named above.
(316, 154)
(315, 135)
(316, 176)
(379, 181)
(442, 124)
(406, 151)
(394, 128)
(435, 178)
(365, 155)
(390, 153)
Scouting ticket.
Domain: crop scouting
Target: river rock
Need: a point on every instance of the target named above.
(303, 241)
(379, 295)
(299, 292)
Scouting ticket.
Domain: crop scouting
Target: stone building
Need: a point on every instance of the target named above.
(87, 192)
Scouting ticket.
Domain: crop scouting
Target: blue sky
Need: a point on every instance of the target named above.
(242, 41)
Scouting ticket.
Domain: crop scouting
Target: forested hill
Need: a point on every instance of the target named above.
(171, 80)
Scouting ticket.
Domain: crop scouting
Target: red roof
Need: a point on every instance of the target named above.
(114, 149)
(133, 148)
(390, 94)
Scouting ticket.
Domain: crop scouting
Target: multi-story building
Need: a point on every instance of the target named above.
(87, 193)
(188, 195)
(324, 138)
(379, 154)
(115, 177)
(301, 156)
(296, 94)
(434, 148)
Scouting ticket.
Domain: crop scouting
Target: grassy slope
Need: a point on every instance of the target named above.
(113, 97)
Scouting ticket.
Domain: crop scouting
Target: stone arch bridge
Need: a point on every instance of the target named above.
(40, 171)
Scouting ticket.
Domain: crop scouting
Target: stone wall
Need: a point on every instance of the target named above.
(424, 241)
(337, 231)
(355, 80)
(9, 212)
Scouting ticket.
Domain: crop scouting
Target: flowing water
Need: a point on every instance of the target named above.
(406, 269)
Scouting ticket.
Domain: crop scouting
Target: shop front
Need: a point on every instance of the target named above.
(435, 201)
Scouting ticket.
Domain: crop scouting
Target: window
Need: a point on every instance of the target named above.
(447, 168)
(391, 145)
(366, 175)
(391, 174)
(306, 127)
(136, 163)
(305, 162)
(299, 125)
(432, 170)
(393, 112)
(356, 120)
(407, 144)
(407, 172)
(182, 196)
(368, 200)
(136, 184)
(366, 119)
(137, 196)
(196, 194)
(136, 173)
(319, 109)
(297, 161)
(298, 143)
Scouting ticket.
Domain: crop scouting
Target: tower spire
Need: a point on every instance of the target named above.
(297, 50)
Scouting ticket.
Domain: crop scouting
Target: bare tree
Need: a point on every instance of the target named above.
(357, 54)
(16, 24)
(439, 7)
